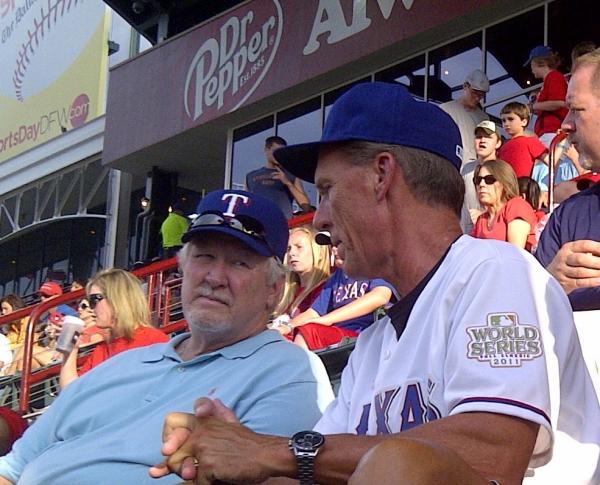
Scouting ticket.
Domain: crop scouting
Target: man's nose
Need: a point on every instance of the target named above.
(322, 220)
(216, 274)
(567, 125)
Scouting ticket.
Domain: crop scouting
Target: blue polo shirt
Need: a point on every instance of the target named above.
(106, 426)
(339, 290)
(576, 218)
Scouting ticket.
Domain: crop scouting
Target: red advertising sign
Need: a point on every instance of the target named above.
(253, 52)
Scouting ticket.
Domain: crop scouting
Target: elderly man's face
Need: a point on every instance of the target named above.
(226, 290)
(346, 210)
(583, 120)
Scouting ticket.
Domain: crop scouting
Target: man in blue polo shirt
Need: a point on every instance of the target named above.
(106, 426)
(569, 247)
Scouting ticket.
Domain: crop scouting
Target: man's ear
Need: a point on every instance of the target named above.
(276, 293)
(385, 166)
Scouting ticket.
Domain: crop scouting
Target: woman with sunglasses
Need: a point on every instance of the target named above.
(121, 309)
(92, 334)
(506, 216)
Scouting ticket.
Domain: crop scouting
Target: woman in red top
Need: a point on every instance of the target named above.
(310, 266)
(550, 106)
(507, 216)
(121, 309)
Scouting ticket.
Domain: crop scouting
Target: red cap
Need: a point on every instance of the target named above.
(50, 288)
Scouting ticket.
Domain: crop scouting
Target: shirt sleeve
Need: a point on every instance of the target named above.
(555, 87)
(504, 343)
(39, 436)
(518, 208)
(321, 304)
(536, 147)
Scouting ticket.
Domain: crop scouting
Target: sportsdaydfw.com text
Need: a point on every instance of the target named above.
(48, 125)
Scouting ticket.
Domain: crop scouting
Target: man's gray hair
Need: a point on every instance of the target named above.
(430, 178)
(275, 270)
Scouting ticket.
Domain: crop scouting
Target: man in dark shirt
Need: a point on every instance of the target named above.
(275, 183)
(569, 247)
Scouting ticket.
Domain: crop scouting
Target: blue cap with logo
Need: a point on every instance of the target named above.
(381, 113)
(538, 51)
(254, 220)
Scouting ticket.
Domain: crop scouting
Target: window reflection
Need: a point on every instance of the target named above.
(248, 149)
(450, 64)
(410, 73)
(298, 124)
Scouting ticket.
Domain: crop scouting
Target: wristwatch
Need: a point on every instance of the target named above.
(305, 446)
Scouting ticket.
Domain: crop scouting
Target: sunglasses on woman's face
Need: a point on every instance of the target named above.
(94, 299)
(488, 179)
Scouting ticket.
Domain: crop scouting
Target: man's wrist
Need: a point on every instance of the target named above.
(278, 459)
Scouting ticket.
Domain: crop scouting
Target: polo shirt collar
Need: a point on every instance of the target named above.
(241, 349)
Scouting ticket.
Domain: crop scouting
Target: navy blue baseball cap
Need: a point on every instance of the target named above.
(538, 51)
(381, 113)
(256, 221)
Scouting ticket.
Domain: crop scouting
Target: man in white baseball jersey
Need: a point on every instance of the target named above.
(473, 372)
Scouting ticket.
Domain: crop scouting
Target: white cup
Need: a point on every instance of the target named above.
(71, 329)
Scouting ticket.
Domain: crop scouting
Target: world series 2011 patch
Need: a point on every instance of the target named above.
(503, 341)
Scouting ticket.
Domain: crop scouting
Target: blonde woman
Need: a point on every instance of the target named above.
(309, 264)
(121, 309)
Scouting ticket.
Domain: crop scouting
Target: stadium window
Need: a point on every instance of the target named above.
(450, 64)
(409, 73)
(302, 123)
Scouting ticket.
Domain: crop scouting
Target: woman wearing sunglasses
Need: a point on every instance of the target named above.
(506, 216)
(121, 310)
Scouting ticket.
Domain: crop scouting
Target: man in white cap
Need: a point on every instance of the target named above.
(466, 111)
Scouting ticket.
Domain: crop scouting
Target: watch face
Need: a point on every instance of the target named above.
(308, 440)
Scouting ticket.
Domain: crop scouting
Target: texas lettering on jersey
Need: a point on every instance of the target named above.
(400, 409)
(350, 291)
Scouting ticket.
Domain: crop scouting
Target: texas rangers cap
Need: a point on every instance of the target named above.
(381, 113)
(489, 127)
(254, 220)
(538, 51)
(50, 288)
(478, 80)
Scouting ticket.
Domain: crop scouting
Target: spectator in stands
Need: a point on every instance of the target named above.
(121, 309)
(466, 111)
(12, 427)
(105, 426)
(521, 151)
(309, 264)
(344, 308)
(171, 230)
(549, 106)
(529, 190)
(43, 352)
(422, 399)
(569, 246)
(78, 284)
(92, 334)
(507, 216)
(16, 330)
(275, 183)
(487, 140)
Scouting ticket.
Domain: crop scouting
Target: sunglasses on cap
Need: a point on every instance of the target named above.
(94, 299)
(488, 179)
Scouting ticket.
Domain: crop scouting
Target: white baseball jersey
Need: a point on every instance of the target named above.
(490, 331)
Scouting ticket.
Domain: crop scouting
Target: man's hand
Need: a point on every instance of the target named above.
(177, 429)
(281, 176)
(577, 265)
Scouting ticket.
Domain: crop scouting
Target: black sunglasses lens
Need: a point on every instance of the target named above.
(488, 179)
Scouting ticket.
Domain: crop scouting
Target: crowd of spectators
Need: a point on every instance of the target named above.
(320, 305)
